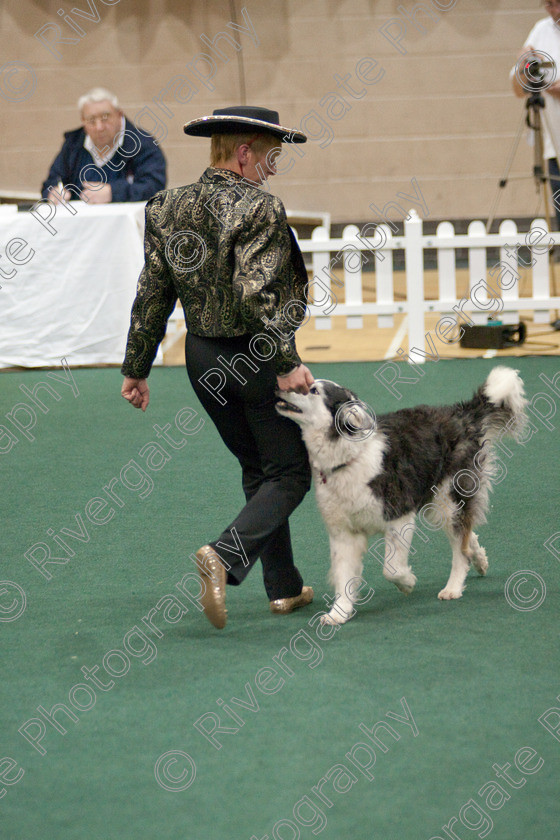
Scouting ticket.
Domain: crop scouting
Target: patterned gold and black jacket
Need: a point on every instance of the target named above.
(225, 249)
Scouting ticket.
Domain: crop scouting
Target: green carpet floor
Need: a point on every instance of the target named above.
(418, 719)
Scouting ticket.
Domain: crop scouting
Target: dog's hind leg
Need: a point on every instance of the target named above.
(398, 539)
(477, 555)
(460, 545)
(347, 551)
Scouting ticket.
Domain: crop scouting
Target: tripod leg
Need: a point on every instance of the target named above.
(503, 181)
(539, 150)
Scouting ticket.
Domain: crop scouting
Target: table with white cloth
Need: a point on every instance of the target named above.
(68, 294)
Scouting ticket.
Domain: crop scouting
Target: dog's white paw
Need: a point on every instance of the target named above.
(479, 561)
(449, 594)
(406, 583)
(334, 617)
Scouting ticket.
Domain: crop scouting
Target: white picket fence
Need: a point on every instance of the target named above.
(349, 252)
(355, 248)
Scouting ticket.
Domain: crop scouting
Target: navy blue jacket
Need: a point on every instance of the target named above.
(133, 177)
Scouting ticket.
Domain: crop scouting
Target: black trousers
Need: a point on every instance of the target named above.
(239, 397)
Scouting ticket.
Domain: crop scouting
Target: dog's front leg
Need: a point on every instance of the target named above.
(347, 551)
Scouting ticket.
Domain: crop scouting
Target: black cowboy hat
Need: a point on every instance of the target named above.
(240, 119)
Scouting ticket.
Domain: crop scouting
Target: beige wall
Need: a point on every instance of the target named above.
(436, 107)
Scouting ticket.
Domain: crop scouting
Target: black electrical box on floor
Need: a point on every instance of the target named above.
(493, 337)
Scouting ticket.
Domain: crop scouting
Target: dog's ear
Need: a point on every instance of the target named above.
(355, 420)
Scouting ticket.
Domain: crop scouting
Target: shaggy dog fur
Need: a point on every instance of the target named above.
(378, 475)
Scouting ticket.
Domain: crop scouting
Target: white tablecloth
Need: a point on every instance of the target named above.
(72, 299)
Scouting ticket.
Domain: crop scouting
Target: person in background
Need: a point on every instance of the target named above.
(107, 159)
(541, 46)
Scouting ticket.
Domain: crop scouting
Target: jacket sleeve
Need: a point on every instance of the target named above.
(269, 283)
(155, 299)
(56, 173)
(148, 170)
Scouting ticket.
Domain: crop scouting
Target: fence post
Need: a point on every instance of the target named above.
(414, 265)
(477, 272)
(384, 275)
(446, 262)
(352, 261)
(540, 261)
(510, 260)
(320, 262)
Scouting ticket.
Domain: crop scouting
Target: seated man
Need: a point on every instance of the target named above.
(108, 159)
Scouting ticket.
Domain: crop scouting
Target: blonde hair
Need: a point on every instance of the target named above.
(223, 146)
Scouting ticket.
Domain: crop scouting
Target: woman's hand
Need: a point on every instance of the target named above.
(136, 391)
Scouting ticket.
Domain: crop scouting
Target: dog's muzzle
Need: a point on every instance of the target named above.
(284, 405)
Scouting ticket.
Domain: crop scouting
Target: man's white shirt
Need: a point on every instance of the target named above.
(545, 37)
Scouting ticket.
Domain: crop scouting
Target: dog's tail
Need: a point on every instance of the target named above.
(505, 392)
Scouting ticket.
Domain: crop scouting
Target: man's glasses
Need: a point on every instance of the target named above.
(104, 118)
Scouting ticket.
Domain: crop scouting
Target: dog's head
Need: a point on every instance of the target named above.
(328, 408)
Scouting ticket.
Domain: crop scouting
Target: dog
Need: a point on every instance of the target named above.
(379, 475)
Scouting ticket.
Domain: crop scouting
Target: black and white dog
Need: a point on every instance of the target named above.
(378, 475)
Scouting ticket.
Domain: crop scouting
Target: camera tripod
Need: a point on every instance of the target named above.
(533, 119)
